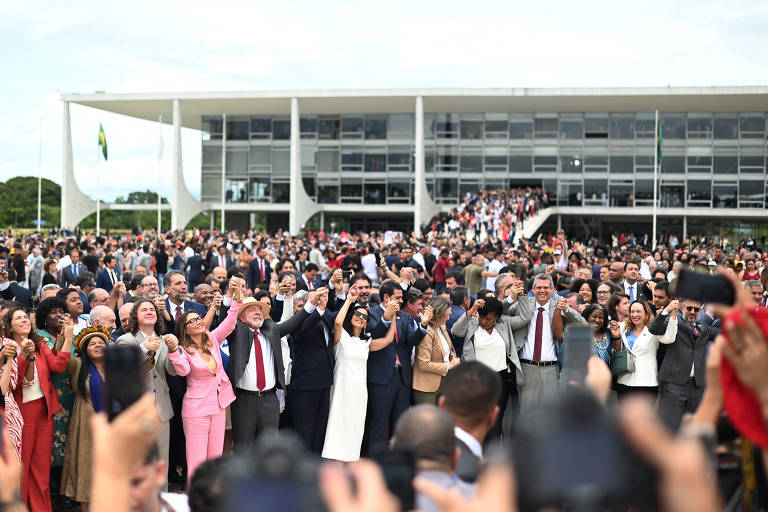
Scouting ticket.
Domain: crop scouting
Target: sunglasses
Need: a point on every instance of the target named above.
(362, 315)
(692, 308)
(195, 320)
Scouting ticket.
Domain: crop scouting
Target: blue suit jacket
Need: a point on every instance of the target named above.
(313, 358)
(254, 275)
(381, 363)
(170, 325)
(458, 341)
(103, 280)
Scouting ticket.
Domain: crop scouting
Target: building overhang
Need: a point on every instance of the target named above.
(389, 101)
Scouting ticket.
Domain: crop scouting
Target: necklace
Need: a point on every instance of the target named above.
(601, 343)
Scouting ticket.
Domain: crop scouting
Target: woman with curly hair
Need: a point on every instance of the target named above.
(38, 402)
(587, 288)
(87, 373)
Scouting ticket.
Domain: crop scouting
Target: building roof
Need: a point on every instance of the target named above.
(194, 105)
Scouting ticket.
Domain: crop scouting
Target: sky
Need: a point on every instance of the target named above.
(49, 48)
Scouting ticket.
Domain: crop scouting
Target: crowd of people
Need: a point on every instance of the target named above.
(437, 346)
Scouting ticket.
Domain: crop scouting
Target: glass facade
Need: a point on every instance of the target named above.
(581, 159)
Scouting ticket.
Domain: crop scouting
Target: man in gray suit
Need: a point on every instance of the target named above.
(682, 376)
(470, 395)
(538, 349)
(146, 332)
(427, 432)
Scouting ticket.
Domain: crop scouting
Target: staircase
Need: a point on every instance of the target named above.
(532, 225)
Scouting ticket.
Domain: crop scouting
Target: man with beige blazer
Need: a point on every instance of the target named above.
(535, 342)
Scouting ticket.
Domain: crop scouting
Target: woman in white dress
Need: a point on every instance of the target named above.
(349, 395)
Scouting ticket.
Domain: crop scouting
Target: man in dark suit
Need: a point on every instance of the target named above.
(90, 260)
(312, 368)
(306, 280)
(631, 285)
(70, 272)
(682, 376)
(460, 303)
(220, 258)
(9, 288)
(259, 271)
(470, 395)
(389, 369)
(256, 368)
(177, 302)
(195, 268)
(107, 277)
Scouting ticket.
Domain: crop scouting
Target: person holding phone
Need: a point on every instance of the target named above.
(87, 374)
(209, 391)
(37, 400)
(435, 355)
(349, 398)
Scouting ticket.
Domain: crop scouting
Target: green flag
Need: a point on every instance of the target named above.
(659, 142)
(103, 141)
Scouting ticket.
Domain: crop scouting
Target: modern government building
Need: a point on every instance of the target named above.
(390, 159)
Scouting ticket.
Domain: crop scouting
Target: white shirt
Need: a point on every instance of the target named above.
(494, 266)
(172, 309)
(473, 444)
(547, 343)
(248, 379)
(633, 287)
(369, 266)
(446, 346)
(490, 349)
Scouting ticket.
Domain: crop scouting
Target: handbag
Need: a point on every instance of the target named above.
(623, 362)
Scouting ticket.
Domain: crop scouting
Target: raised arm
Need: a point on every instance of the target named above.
(338, 324)
(228, 325)
(380, 343)
(462, 324)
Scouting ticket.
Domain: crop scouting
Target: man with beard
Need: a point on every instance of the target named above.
(363, 283)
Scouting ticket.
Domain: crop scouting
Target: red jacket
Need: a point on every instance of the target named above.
(46, 362)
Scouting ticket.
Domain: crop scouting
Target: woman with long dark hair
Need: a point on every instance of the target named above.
(87, 372)
(38, 402)
(349, 398)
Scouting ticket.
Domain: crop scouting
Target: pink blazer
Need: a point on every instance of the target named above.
(207, 391)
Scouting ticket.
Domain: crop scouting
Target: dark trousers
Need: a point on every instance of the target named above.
(386, 402)
(252, 413)
(309, 412)
(508, 393)
(676, 400)
(177, 450)
(622, 391)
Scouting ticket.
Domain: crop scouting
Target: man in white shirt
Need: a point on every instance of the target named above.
(630, 284)
(471, 395)
(496, 264)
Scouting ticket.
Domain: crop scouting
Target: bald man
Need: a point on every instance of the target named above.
(104, 317)
(219, 273)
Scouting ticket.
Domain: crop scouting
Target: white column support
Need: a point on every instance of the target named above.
(75, 205)
(423, 206)
(685, 228)
(302, 208)
(223, 167)
(184, 205)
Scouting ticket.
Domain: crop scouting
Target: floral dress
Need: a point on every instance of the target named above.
(63, 386)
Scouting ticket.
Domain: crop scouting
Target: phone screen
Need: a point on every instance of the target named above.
(124, 378)
(704, 287)
(578, 349)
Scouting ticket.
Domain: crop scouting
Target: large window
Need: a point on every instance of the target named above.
(496, 158)
(520, 127)
(375, 193)
(471, 160)
(375, 160)
(281, 162)
(571, 127)
(447, 126)
(699, 126)
(447, 158)
(571, 161)
(281, 129)
(621, 193)
(328, 160)
(751, 160)
(726, 161)
(596, 160)
(545, 126)
(622, 163)
(596, 126)
(596, 192)
(472, 127)
(622, 127)
(328, 128)
(237, 130)
(520, 162)
(327, 191)
(237, 162)
(401, 127)
(351, 160)
(726, 128)
(375, 128)
(699, 193)
(751, 194)
(212, 127)
(400, 158)
(724, 195)
(496, 126)
(672, 164)
(673, 126)
(752, 125)
(352, 127)
(645, 125)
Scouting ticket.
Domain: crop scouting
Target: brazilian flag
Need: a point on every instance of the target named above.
(103, 141)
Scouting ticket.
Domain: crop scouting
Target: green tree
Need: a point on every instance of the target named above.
(18, 202)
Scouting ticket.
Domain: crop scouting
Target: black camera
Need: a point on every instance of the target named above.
(572, 454)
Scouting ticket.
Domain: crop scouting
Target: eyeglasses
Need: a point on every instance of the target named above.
(604, 292)
(692, 308)
(361, 315)
(195, 320)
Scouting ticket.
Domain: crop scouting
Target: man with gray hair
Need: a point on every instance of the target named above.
(428, 433)
(538, 349)
(104, 317)
(755, 289)
(49, 290)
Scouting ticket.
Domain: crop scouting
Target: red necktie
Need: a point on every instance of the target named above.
(261, 381)
(178, 314)
(261, 264)
(397, 342)
(537, 337)
(309, 284)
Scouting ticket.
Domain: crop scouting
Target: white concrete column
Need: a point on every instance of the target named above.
(75, 205)
(184, 205)
(420, 184)
(302, 208)
(685, 228)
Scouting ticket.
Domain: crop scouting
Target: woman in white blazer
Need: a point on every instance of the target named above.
(642, 347)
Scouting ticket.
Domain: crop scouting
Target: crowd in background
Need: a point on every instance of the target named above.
(361, 342)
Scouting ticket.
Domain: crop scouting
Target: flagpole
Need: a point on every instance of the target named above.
(159, 171)
(655, 172)
(223, 165)
(39, 174)
(98, 192)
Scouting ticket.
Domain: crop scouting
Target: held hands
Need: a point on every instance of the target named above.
(171, 342)
(353, 293)
(615, 330)
(477, 305)
(673, 307)
(9, 350)
(67, 327)
(337, 278)
(406, 274)
(427, 315)
(160, 303)
(217, 300)
(318, 297)
(562, 304)
(393, 306)
(152, 343)
(28, 348)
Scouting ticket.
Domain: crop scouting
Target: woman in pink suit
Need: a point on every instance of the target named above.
(209, 392)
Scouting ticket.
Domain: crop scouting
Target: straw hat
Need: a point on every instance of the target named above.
(250, 302)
